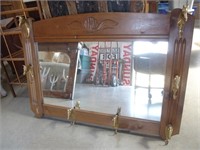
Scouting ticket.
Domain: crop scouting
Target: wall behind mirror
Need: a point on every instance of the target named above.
(114, 74)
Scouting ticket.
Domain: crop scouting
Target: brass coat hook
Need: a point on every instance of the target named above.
(168, 133)
(182, 19)
(24, 22)
(175, 86)
(71, 112)
(28, 70)
(115, 120)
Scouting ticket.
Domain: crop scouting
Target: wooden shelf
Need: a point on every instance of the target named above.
(11, 35)
(16, 56)
(19, 10)
(19, 81)
(6, 3)
(12, 31)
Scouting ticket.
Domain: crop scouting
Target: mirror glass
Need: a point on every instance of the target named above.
(54, 70)
(122, 74)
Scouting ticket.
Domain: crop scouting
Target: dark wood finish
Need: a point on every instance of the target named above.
(101, 26)
(116, 26)
(177, 64)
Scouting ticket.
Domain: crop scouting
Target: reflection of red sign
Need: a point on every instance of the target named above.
(126, 54)
(93, 60)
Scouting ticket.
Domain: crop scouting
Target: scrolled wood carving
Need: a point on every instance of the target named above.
(92, 25)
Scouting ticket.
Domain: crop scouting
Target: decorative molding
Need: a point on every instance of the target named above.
(92, 25)
(179, 53)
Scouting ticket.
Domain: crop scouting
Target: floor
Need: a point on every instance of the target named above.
(19, 129)
(133, 102)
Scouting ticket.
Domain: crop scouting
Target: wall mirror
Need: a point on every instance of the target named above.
(128, 74)
(119, 74)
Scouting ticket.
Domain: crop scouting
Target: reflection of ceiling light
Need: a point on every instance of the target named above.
(56, 54)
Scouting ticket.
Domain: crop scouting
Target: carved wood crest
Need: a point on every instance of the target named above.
(91, 24)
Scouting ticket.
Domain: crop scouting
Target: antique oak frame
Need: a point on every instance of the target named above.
(106, 27)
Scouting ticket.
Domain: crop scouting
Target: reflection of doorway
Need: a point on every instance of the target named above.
(149, 63)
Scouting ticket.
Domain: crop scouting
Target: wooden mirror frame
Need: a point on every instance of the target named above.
(114, 27)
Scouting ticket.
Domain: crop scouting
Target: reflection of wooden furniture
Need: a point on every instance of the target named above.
(114, 27)
(149, 63)
(12, 50)
(65, 50)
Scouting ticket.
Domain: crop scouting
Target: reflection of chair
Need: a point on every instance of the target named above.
(149, 63)
(56, 71)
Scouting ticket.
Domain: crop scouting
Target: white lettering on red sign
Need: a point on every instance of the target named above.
(126, 53)
(93, 60)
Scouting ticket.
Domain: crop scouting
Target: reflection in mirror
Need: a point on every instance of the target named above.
(113, 74)
(149, 64)
(54, 70)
